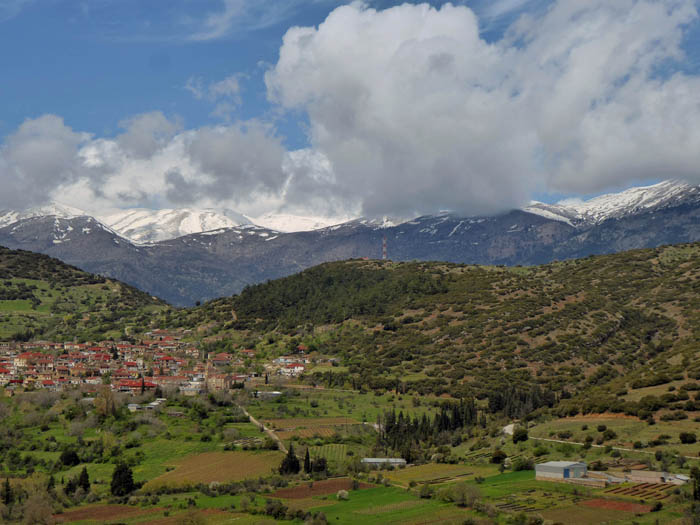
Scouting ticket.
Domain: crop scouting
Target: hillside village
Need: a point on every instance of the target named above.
(163, 363)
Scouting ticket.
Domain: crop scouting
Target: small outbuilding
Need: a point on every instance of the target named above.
(560, 470)
(376, 462)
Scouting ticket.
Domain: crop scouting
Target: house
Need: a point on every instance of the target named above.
(377, 462)
(560, 470)
(293, 369)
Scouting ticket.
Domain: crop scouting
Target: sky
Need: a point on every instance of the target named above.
(343, 109)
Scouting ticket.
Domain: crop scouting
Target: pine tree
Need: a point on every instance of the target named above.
(84, 480)
(122, 480)
(307, 462)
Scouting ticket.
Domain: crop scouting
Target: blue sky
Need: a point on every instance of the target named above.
(97, 62)
(197, 65)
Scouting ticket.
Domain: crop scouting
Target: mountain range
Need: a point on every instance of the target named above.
(187, 255)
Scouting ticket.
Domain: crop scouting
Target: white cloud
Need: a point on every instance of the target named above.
(410, 111)
(41, 156)
(416, 112)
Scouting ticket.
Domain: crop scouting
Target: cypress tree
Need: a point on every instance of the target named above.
(84, 480)
(307, 462)
(122, 480)
(7, 495)
(290, 463)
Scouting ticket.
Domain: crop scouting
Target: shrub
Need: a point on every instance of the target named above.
(688, 438)
(520, 434)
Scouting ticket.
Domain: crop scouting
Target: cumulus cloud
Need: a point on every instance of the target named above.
(410, 110)
(147, 133)
(417, 112)
(41, 156)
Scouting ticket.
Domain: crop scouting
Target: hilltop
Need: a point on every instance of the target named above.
(598, 324)
(43, 298)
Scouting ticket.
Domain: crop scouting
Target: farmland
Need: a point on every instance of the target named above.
(219, 466)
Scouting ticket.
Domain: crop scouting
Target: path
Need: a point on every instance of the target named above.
(508, 430)
(268, 431)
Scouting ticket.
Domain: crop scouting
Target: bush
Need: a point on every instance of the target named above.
(498, 457)
(520, 434)
(523, 464)
(426, 491)
(688, 438)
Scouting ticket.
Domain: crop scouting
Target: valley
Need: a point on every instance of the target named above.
(467, 377)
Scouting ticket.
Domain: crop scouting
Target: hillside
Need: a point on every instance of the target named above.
(602, 323)
(43, 298)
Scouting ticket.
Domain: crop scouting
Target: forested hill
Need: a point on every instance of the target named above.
(566, 327)
(43, 298)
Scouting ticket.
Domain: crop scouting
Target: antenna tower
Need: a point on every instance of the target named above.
(384, 257)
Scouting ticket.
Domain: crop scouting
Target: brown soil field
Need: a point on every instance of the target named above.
(304, 422)
(102, 513)
(221, 466)
(319, 488)
(637, 508)
(306, 432)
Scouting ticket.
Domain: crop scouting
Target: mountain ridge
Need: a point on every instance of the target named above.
(204, 265)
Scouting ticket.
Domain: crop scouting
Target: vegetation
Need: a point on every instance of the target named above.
(43, 298)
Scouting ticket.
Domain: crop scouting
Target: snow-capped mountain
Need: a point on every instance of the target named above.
(145, 226)
(286, 222)
(220, 258)
(615, 205)
(52, 209)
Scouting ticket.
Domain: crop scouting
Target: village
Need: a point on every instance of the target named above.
(162, 363)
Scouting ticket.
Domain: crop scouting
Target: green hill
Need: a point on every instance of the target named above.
(521, 337)
(43, 298)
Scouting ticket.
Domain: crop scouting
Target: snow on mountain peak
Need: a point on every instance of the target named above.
(145, 226)
(52, 209)
(613, 205)
(286, 222)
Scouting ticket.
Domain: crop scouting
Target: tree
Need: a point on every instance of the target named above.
(290, 463)
(319, 465)
(498, 457)
(520, 434)
(307, 462)
(8, 497)
(105, 404)
(122, 480)
(695, 475)
(69, 458)
(38, 509)
(84, 480)
(465, 495)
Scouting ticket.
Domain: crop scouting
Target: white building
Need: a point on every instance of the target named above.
(555, 470)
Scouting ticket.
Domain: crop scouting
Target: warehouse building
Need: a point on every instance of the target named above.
(560, 470)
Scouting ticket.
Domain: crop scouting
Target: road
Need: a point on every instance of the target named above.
(268, 431)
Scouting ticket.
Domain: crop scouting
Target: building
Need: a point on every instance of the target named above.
(560, 470)
(376, 462)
